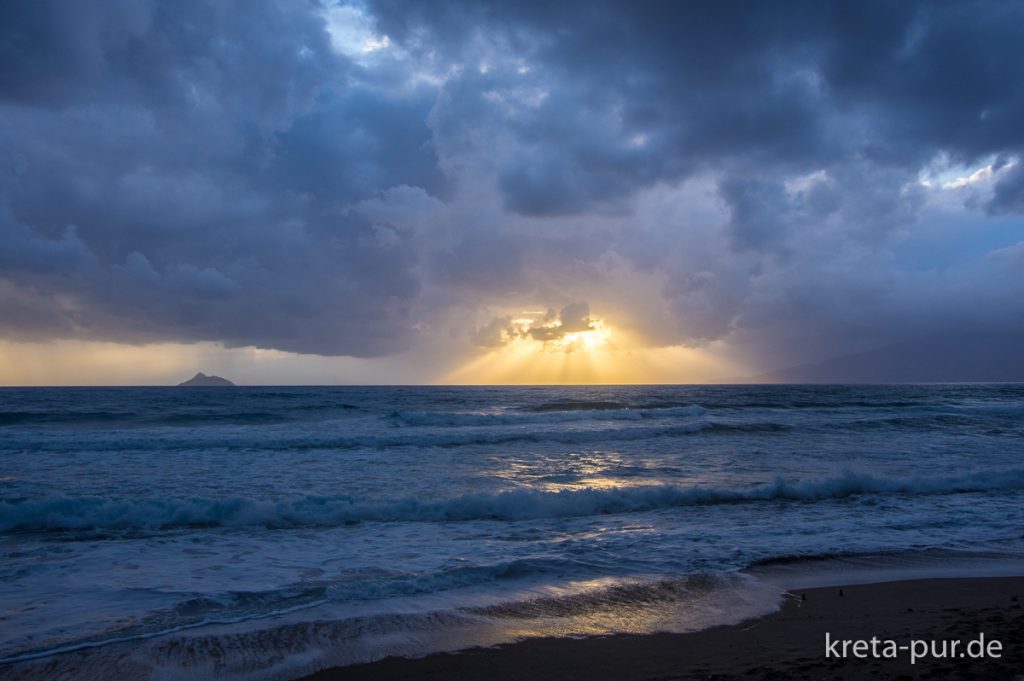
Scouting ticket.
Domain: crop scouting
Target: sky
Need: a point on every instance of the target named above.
(291, 192)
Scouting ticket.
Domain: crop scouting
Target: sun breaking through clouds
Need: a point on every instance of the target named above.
(730, 187)
(575, 346)
(571, 329)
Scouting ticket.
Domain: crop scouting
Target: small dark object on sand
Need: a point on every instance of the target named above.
(803, 597)
(840, 593)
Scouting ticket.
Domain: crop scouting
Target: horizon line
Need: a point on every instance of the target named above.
(507, 385)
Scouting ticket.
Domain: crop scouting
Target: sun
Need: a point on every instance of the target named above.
(542, 347)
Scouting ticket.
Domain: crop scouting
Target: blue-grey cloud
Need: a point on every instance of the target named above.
(244, 173)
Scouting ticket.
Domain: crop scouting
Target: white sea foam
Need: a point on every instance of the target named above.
(97, 513)
(298, 643)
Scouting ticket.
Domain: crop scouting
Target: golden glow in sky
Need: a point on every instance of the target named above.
(81, 363)
(533, 347)
(527, 362)
(586, 341)
(577, 348)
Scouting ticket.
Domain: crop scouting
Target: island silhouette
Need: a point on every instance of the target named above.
(201, 380)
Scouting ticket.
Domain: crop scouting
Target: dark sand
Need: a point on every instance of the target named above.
(789, 644)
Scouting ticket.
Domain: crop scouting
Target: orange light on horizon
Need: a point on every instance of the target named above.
(599, 355)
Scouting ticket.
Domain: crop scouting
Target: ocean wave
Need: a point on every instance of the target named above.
(404, 585)
(289, 649)
(150, 418)
(893, 557)
(602, 413)
(213, 417)
(22, 418)
(326, 439)
(578, 405)
(633, 593)
(234, 607)
(94, 513)
(121, 419)
(605, 605)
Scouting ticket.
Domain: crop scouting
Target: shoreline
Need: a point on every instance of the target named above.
(788, 643)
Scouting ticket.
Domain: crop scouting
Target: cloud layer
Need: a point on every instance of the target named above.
(786, 177)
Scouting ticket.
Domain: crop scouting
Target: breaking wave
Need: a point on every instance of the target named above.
(95, 513)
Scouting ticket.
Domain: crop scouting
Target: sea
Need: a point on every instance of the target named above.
(268, 532)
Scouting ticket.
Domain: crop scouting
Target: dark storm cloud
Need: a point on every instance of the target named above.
(852, 100)
(1009, 193)
(773, 85)
(182, 171)
(759, 211)
(234, 171)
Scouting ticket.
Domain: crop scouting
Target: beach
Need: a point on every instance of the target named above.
(788, 644)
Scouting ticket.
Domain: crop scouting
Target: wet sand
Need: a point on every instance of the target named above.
(789, 644)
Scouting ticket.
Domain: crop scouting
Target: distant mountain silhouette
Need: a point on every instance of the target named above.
(956, 358)
(201, 380)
